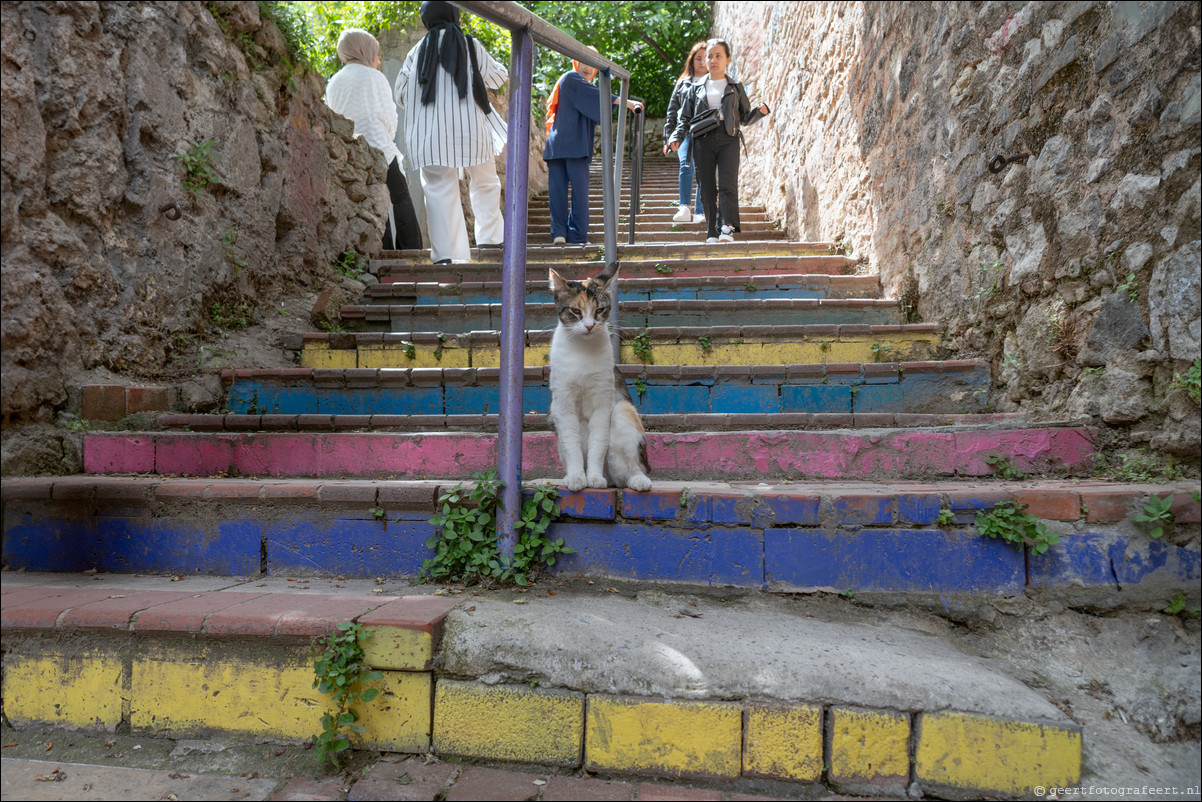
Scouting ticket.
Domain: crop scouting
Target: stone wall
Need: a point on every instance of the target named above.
(887, 116)
(100, 101)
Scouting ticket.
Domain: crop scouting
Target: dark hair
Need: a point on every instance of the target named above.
(688, 63)
(718, 41)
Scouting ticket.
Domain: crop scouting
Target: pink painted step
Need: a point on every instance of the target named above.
(719, 456)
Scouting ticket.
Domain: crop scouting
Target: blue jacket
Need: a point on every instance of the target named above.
(576, 119)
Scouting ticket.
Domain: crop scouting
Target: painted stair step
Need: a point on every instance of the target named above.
(947, 387)
(666, 422)
(667, 285)
(698, 456)
(653, 237)
(647, 250)
(802, 535)
(460, 318)
(745, 267)
(717, 345)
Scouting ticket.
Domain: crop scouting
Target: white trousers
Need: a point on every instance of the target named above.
(444, 211)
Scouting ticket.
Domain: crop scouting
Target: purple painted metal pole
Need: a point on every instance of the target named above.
(513, 292)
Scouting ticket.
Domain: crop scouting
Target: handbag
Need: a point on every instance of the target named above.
(704, 123)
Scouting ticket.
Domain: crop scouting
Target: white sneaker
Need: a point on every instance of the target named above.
(727, 234)
(699, 218)
(711, 240)
(682, 215)
(559, 241)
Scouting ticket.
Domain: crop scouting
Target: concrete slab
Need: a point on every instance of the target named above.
(45, 780)
(656, 645)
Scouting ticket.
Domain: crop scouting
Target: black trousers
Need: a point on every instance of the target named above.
(409, 231)
(717, 158)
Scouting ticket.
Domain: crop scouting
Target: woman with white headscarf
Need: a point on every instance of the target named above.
(359, 92)
(450, 125)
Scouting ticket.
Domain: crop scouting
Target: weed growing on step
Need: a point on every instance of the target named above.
(1191, 381)
(1003, 467)
(1158, 514)
(640, 387)
(198, 161)
(849, 595)
(706, 343)
(750, 287)
(1177, 606)
(329, 327)
(664, 270)
(1009, 522)
(880, 350)
(1139, 467)
(907, 299)
(642, 347)
(230, 315)
(229, 241)
(408, 349)
(1093, 372)
(341, 671)
(945, 518)
(351, 264)
(465, 548)
(442, 338)
(840, 246)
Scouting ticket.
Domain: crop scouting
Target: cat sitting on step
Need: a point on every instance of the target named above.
(599, 433)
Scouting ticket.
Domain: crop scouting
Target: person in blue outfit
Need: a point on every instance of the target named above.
(572, 116)
(694, 72)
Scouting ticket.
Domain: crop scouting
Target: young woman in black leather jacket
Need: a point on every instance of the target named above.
(716, 141)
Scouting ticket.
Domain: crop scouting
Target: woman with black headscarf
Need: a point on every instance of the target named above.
(449, 124)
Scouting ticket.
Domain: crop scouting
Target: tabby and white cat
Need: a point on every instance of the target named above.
(600, 436)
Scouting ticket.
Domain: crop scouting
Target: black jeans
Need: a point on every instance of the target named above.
(409, 230)
(717, 158)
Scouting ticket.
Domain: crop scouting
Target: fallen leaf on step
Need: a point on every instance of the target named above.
(49, 745)
(55, 776)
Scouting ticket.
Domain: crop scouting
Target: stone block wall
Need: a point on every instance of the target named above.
(1074, 266)
(107, 257)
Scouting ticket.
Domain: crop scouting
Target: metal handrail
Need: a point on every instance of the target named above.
(526, 28)
(636, 171)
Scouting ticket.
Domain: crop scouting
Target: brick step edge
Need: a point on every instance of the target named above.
(309, 422)
(858, 503)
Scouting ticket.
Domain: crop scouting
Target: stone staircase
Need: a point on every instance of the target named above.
(802, 436)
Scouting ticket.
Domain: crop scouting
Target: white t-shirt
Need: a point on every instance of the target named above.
(713, 94)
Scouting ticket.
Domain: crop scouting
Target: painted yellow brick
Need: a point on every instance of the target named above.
(322, 356)
(80, 690)
(869, 745)
(783, 743)
(276, 701)
(699, 739)
(989, 754)
(508, 723)
(398, 649)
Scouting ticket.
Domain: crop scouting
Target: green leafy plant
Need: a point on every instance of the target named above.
(1003, 467)
(824, 346)
(880, 350)
(230, 315)
(945, 518)
(1130, 286)
(198, 161)
(1138, 466)
(1191, 381)
(642, 347)
(849, 595)
(442, 338)
(408, 349)
(341, 670)
(1177, 606)
(351, 263)
(377, 513)
(1011, 523)
(664, 270)
(1093, 371)
(1158, 514)
(750, 287)
(229, 243)
(706, 343)
(465, 546)
(329, 327)
(640, 386)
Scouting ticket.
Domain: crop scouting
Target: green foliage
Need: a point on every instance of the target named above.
(408, 349)
(1177, 606)
(1158, 513)
(1003, 467)
(640, 386)
(198, 161)
(1130, 286)
(351, 263)
(229, 246)
(341, 671)
(465, 548)
(650, 39)
(945, 518)
(664, 270)
(1191, 381)
(880, 350)
(849, 595)
(1138, 466)
(705, 342)
(230, 315)
(1009, 522)
(642, 347)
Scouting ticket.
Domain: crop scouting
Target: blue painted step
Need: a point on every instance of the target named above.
(952, 386)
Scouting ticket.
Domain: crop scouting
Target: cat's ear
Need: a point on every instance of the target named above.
(608, 274)
(558, 283)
